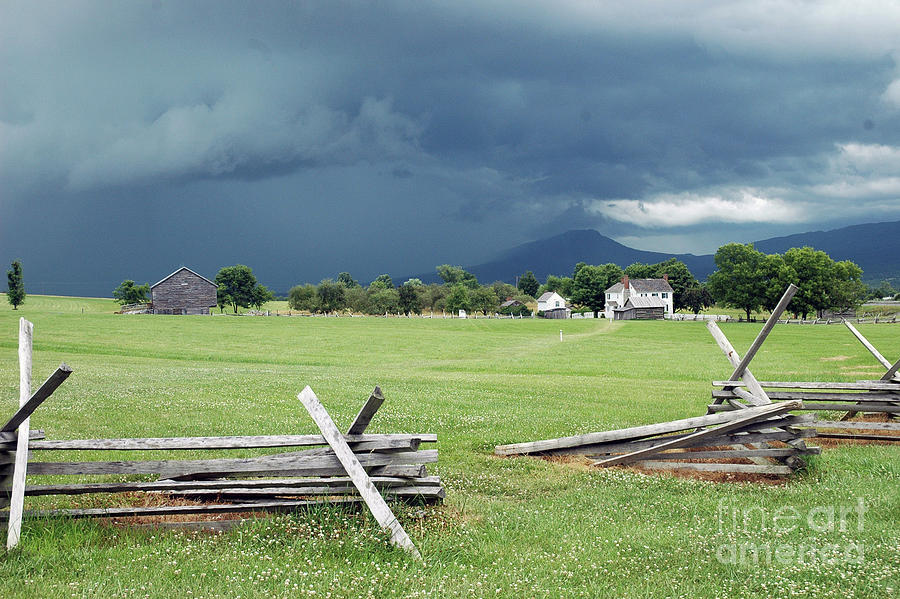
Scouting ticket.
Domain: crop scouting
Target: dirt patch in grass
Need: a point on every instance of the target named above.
(834, 359)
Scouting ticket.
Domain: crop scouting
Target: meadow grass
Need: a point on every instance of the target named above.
(510, 527)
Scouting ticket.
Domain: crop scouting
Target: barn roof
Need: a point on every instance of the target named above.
(643, 286)
(510, 303)
(178, 271)
(642, 302)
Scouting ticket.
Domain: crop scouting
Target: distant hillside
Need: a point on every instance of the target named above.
(875, 247)
(558, 255)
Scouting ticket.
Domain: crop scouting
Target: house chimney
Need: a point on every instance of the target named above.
(625, 282)
(666, 278)
(626, 292)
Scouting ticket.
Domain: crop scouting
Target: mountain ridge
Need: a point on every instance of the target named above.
(875, 247)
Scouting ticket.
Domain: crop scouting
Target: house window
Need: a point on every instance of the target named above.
(665, 294)
(557, 304)
(653, 294)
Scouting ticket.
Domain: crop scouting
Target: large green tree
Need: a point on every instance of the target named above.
(382, 282)
(346, 280)
(740, 279)
(561, 285)
(528, 284)
(411, 297)
(236, 286)
(15, 285)
(129, 293)
(455, 275)
(847, 290)
(591, 282)
(331, 295)
(697, 298)
(458, 298)
(484, 299)
(303, 297)
(261, 296)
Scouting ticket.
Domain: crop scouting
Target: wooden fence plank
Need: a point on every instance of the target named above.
(351, 463)
(733, 357)
(637, 432)
(233, 442)
(706, 467)
(884, 361)
(169, 510)
(833, 407)
(44, 391)
(744, 418)
(854, 386)
(362, 420)
(169, 485)
(868, 396)
(875, 426)
(314, 464)
(761, 337)
(17, 497)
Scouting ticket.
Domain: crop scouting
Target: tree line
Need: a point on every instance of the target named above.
(746, 279)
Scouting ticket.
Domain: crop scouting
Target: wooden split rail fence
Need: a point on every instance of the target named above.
(329, 467)
(748, 434)
(873, 397)
(721, 442)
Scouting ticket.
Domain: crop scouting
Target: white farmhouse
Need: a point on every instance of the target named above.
(656, 289)
(553, 305)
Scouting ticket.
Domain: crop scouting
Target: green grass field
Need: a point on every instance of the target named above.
(509, 527)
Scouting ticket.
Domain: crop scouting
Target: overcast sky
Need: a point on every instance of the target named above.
(307, 138)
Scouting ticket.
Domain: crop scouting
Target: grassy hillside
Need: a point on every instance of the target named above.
(509, 527)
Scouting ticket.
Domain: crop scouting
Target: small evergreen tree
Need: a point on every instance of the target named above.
(16, 293)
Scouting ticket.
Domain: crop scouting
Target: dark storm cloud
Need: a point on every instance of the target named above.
(308, 138)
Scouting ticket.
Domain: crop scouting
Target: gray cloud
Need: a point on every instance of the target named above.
(445, 131)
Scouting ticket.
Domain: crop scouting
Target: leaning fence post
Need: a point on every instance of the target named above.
(358, 476)
(17, 498)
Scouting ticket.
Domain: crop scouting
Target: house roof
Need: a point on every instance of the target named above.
(546, 296)
(641, 302)
(642, 286)
(178, 271)
(511, 302)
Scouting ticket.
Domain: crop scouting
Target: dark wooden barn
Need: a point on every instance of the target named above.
(641, 308)
(183, 292)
